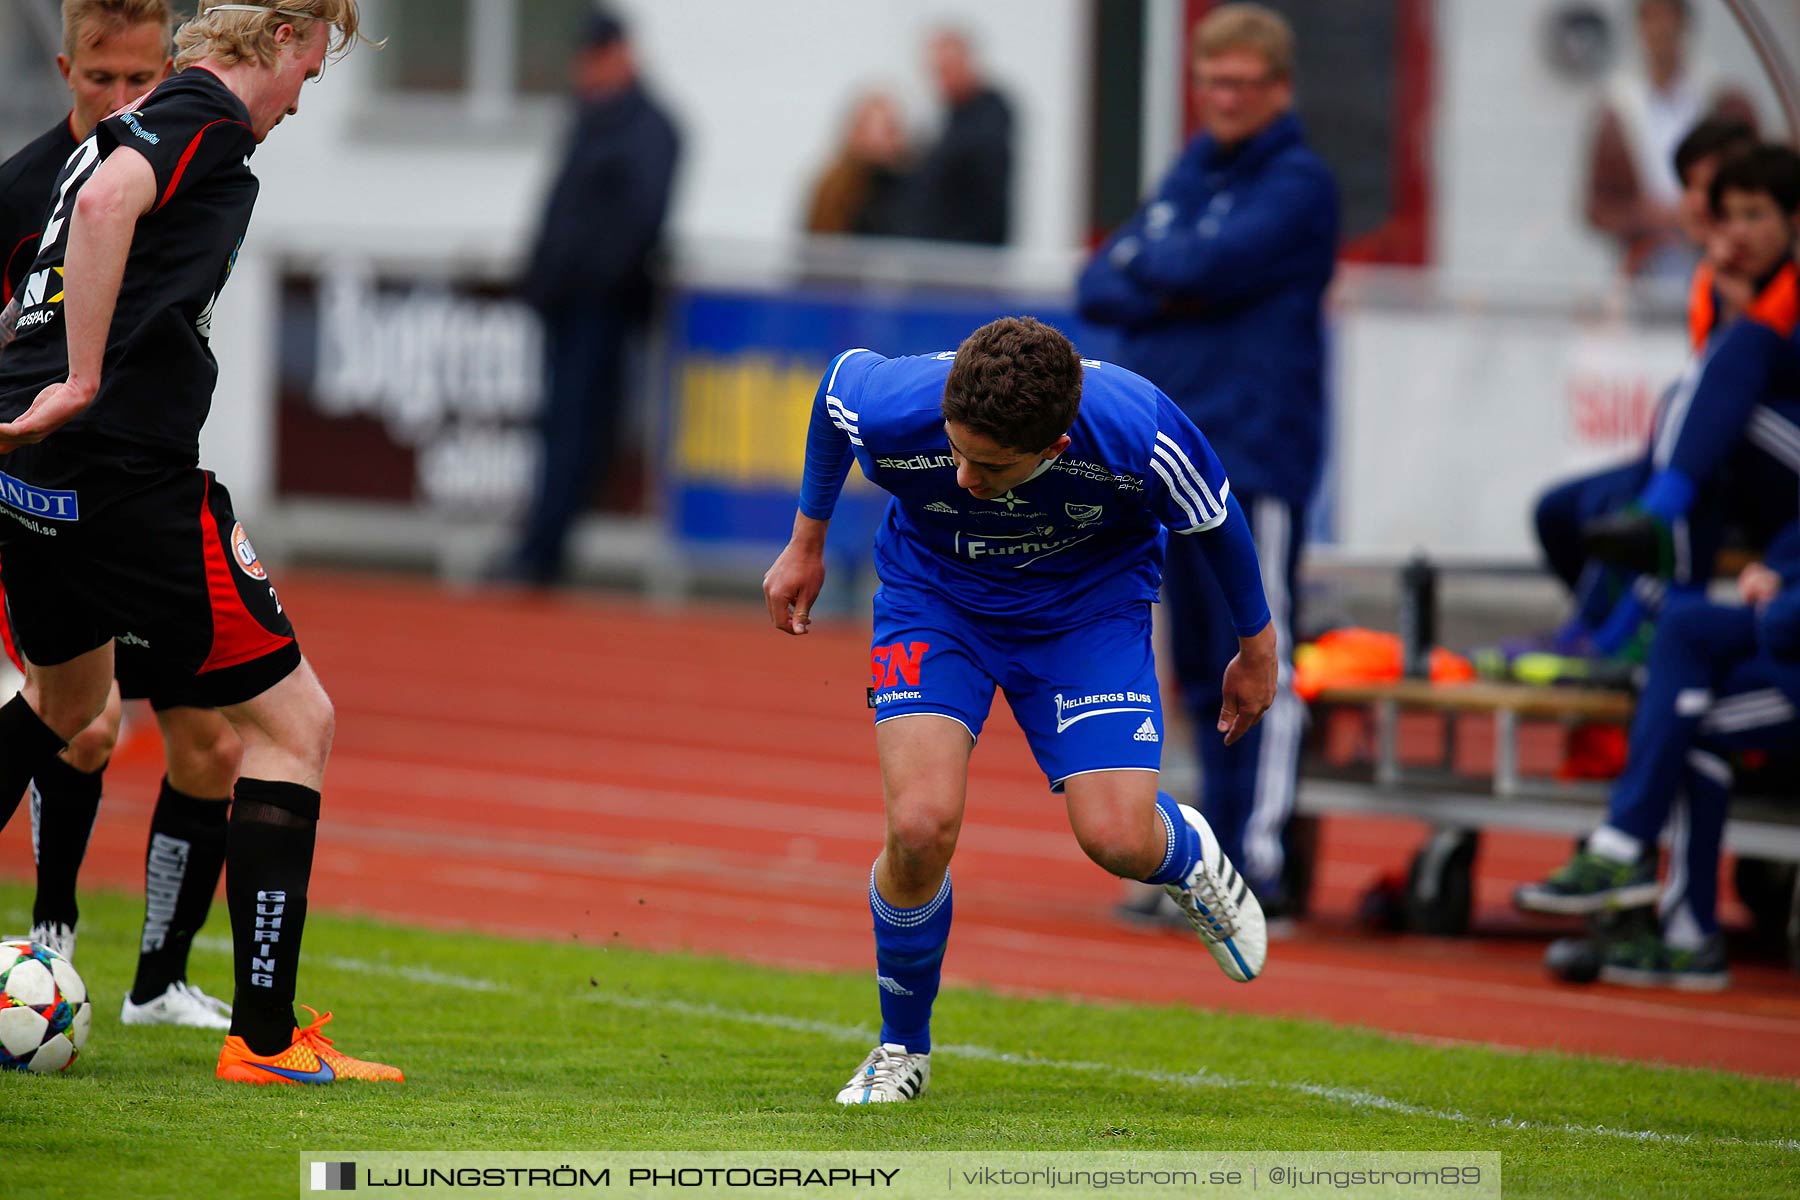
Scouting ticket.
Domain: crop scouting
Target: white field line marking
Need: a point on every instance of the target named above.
(362, 966)
(814, 877)
(860, 1034)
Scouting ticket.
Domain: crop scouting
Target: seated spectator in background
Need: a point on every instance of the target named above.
(962, 191)
(1632, 194)
(1741, 449)
(862, 190)
(590, 279)
(1722, 679)
(1716, 297)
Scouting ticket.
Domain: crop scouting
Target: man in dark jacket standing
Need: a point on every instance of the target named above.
(589, 277)
(1216, 286)
(962, 190)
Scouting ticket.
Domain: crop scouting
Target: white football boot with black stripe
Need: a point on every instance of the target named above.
(1219, 904)
(888, 1074)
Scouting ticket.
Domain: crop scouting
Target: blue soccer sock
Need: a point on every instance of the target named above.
(909, 960)
(1184, 843)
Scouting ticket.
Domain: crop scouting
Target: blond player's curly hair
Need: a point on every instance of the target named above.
(87, 22)
(235, 36)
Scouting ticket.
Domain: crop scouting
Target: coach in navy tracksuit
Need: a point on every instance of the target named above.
(1216, 288)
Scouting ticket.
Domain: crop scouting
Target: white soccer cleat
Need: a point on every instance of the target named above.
(57, 937)
(1219, 904)
(181, 1004)
(889, 1073)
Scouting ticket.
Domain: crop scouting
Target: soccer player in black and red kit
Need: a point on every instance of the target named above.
(114, 52)
(108, 527)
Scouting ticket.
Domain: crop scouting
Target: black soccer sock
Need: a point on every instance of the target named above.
(63, 804)
(181, 870)
(269, 854)
(26, 744)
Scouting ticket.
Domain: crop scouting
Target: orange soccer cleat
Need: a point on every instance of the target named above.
(310, 1059)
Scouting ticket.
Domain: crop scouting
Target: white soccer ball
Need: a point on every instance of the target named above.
(44, 1009)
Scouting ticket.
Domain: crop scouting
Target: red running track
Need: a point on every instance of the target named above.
(586, 767)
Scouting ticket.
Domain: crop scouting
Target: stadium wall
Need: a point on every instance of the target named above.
(1505, 341)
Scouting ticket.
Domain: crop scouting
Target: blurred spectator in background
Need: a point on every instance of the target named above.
(1217, 287)
(962, 191)
(862, 190)
(1632, 191)
(590, 279)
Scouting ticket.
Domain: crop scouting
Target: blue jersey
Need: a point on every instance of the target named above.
(1083, 536)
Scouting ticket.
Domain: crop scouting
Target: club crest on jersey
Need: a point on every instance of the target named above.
(1083, 514)
(245, 553)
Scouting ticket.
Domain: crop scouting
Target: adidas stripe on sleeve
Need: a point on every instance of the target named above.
(1188, 488)
(833, 434)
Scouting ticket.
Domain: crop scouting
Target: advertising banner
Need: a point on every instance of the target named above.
(743, 369)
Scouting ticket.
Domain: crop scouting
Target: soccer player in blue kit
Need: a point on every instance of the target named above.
(1033, 497)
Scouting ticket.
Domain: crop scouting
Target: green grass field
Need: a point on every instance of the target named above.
(514, 1045)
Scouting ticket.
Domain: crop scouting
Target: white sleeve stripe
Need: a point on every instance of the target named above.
(1176, 495)
(1212, 524)
(1777, 436)
(841, 417)
(1184, 483)
(1164, 440)
(839, 364)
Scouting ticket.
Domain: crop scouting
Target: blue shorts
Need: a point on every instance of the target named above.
(1086, 697)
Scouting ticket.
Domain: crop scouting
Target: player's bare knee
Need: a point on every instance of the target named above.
(295, 720)
(920, 841)
(203, 756)
(92, 748)
(312, 726)
(1115, 844)
(69, 714)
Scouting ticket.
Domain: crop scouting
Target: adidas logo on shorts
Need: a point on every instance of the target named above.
(1146, 732)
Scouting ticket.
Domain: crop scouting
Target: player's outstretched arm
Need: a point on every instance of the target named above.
(1249, 687)
(793, 583)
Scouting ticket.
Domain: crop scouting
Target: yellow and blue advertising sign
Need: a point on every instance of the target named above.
(743, 369)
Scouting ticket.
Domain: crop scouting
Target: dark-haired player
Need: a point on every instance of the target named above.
(1033, 498)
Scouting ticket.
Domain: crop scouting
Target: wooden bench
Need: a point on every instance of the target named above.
(1766, 827)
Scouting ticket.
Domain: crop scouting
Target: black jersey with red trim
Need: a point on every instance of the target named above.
(26, 180)
(157, 382)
